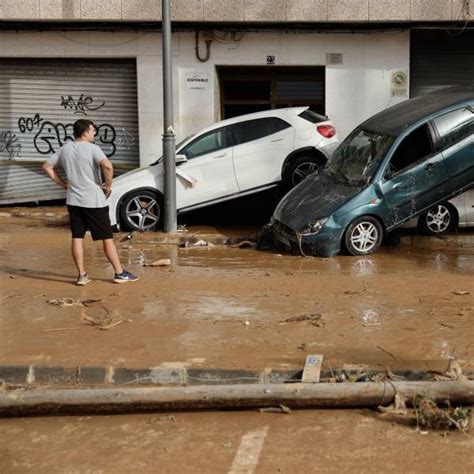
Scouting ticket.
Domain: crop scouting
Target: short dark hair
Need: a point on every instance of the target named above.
(81, 126)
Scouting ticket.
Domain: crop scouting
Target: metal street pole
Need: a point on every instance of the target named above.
(170, 221)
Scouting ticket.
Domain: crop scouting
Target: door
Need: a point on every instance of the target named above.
(456, 141)
(415, 177)
(260, 148)
(210, 168)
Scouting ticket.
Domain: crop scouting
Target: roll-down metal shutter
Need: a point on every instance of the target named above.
(440, 58)
(39, 102)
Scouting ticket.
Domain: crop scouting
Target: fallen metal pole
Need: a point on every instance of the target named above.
(300, 395)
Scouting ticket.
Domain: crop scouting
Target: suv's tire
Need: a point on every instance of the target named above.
(439, 219)
(141, 210)
(363, 236)
(301, 167)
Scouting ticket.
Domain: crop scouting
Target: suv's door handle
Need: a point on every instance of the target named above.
(220, 156)
(277, 140)
(430, 166)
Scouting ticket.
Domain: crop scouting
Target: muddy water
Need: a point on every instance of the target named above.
(407, 306)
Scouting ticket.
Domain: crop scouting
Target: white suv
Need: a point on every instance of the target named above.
(229, 159)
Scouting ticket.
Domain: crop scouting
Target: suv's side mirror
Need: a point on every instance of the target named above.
(181, 159)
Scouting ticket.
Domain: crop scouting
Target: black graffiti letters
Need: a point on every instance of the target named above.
(81, 105)
(9, 144)
(105, 138)
(28, 124)
(51, 137)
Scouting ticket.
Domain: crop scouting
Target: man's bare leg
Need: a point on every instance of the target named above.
(78, 255)
(112, 256)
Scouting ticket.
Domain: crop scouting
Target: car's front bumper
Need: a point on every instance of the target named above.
(327, 243)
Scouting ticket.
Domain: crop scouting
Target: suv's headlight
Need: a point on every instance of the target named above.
(314, 227)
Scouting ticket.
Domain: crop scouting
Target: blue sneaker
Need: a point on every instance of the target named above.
(124, 277)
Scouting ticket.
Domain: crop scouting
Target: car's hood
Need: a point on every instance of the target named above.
(133, 175)
(316, 197)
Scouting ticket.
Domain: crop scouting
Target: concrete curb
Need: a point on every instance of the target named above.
(34, 375)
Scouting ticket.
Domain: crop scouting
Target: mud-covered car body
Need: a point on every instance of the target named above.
(393, 167)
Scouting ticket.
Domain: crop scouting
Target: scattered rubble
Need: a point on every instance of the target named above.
(158, 263)
(72, 302)
(315, 319)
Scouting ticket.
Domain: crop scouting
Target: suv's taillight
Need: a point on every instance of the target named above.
(327, 131)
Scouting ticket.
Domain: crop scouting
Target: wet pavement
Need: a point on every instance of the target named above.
(330, 441)
(409, 306)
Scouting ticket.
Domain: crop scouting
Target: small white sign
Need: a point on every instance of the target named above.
(197, 81)
(399, 83)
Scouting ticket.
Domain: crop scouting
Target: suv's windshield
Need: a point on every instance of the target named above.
(358, 156)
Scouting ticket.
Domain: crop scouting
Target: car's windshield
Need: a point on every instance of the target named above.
(358, 156)
(177, 148)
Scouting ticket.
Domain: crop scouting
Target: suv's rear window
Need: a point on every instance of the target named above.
(312, 117)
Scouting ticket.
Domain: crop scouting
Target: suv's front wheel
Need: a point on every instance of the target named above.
(141, 210)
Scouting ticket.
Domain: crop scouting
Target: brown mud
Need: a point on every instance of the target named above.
(410, 306)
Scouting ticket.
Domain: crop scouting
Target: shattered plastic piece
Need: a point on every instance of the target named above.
(461, 292)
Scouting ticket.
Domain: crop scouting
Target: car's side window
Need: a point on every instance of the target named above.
(413, 149)
(454, 127)
(211, 141)
(254, 129)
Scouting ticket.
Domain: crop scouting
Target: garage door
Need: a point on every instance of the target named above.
(39, 102)
(440, 58)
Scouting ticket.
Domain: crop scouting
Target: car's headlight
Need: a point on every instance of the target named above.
(314, 227)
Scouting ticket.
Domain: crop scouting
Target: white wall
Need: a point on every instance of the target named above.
(355, 90)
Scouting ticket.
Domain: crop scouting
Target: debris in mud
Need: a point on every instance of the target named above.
(279, 409)
(430, 416)
(386, 352)
(453, 372)
(105, 324)
(72, 302)
(198, 244)
(129, 236)
(158, 263)
(461, 292)
(245, 244)
(398, 407)
(315, 319)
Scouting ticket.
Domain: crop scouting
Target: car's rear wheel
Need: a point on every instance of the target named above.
(141, 210)
(440, 219)
(363, 236)
(302, 167)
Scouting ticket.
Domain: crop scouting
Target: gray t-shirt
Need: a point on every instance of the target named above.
(80, 161)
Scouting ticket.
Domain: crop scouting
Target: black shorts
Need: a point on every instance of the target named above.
(96, 220)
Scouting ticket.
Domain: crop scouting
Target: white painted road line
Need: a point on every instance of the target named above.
(246, 458)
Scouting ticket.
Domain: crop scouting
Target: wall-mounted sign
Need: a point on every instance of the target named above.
(197, 81)
(271, 60)
(399, 83)
(334, 58)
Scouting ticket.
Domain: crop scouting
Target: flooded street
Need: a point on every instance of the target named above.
(405, 306)
(410, 306)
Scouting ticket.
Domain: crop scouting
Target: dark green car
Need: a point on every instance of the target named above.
(393, 167)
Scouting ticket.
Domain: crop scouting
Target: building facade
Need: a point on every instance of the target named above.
(66, 59)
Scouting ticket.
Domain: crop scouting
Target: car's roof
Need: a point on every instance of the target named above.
(284, 112)
(394, 120)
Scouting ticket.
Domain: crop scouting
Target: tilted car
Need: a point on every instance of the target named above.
(393, 167)
(229, 159)
(446, 216)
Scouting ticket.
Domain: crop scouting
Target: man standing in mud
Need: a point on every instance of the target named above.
(86, 197)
